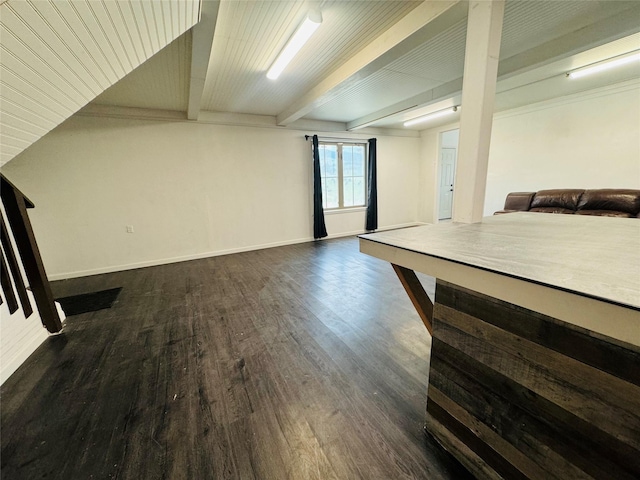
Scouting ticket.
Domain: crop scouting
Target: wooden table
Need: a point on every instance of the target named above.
(535, 361)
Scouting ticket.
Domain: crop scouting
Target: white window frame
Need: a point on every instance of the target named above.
(341, 207)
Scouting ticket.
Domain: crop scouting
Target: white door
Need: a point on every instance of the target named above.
(447, 174)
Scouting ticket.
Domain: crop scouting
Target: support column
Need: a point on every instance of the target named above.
(484, 31)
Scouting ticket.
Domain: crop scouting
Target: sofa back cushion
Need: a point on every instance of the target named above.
(556, 201)
(622, 202)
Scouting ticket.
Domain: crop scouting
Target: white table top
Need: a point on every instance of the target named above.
(597, 257)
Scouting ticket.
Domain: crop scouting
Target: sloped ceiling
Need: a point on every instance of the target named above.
(58, 55)
(372, 63)
(153, 84)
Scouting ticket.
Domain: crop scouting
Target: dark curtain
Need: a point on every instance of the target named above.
(372, 188)
(319, 228)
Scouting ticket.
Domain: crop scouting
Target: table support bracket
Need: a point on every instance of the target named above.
(418, 296)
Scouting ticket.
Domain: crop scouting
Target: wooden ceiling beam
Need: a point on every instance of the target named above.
(520, 69)
(421, 24)
(202, 41)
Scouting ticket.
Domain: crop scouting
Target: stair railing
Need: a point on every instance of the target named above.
(15, 206)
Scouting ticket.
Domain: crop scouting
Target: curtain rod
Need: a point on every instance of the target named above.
(350, 140)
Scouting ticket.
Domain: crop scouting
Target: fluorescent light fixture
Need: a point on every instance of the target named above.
(606, 65)
(304, 32)
(431, 116)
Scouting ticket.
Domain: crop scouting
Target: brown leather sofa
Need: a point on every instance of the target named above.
(607, 202)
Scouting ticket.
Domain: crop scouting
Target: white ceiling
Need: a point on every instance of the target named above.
(58, 55)
(371, 63)
(371, 58)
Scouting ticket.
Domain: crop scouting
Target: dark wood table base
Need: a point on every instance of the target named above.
(517, 394)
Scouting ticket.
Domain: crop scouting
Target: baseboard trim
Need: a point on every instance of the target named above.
(215, 253)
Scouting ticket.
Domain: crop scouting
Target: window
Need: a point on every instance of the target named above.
(343, 172)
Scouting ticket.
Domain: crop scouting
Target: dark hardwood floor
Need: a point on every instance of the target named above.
(299, 362)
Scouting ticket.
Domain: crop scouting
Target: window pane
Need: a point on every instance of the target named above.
(358, 161)
(332, 193)
(358, 191)
(331, 157)
(324, 194)
(348, 191)
(332, 167)
(343, 170)
(321, 151)
(347, 160)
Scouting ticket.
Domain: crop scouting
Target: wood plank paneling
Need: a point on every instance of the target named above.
(24, 40)
(136, 13)
(50, 44)
(578, 343)
(85, 41)
(26, 93)
(149, 9)
(547, 434)
(32, 68)
(441, 410)
(125, 31)
(99, 37)
(498, 365)
(23, 111)
(547, 373)
(250, 35)
(112, 35)
(60, 55)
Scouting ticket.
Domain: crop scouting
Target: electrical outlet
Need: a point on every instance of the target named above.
(129, 228)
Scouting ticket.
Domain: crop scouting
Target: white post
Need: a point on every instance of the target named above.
(484, 31)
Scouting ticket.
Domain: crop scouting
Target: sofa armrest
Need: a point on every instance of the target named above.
(518, 201)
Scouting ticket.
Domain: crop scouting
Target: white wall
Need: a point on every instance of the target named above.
(589, 140)
(20, 336)
(188, 189)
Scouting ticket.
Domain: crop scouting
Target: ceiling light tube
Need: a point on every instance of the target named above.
(304, 32)
(606, 65)
(431, 116)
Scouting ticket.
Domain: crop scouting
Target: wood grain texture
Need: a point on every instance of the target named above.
(517, 246)
(300, 362)
(417, 295)
(578, 343)
(7, 286)
(532, 400)
(7, 248)
(454, 427)
(58, 56)
(15, 205)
